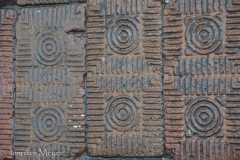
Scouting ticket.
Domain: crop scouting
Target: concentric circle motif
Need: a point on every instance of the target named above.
(203, 35)
(49, 123)
(123, 35)
(122, 113)
(48, 48)
(204, 117)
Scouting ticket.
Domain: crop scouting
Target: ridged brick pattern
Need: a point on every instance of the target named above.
(6, 81)
(50, 64)
(124, 81)
(202, 79)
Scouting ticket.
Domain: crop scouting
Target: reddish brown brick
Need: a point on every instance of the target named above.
(50, 64)
(6, 81)
(201, 81)
(124, 81)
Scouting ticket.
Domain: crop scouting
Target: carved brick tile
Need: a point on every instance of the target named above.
(35, 2)
(124, 81)
(202, 79)
(50, 63)
(6, 81)
(6, 2)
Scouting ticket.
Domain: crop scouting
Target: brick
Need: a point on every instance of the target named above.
(50, 67)
(201, 72)
(124, 80)
(38, 2)
(6, 81)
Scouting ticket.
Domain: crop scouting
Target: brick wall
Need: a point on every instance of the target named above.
(103, 79)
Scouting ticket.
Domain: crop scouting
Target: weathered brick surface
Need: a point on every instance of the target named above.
(202, 81)
(6, 81)
(124, 81)
(50, 64)
(127, 114)
(35, 2)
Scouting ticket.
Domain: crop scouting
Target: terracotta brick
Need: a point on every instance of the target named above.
(50, 65)
(36, 2)
(124, 81)
(6, 81)
(201, 87)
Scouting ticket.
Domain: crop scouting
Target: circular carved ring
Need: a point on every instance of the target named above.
(123, 35)
(48, 48)
(48, 123)
(203, 35)
(122, 113)
(204, 117)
